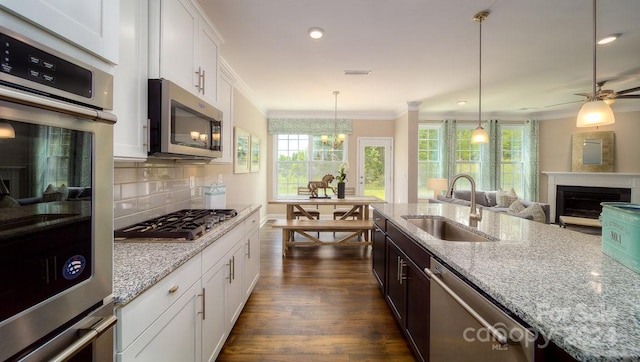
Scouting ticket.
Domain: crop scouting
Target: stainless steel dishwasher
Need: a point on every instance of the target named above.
(466, 326)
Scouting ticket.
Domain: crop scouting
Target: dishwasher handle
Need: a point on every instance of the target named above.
(501, 338)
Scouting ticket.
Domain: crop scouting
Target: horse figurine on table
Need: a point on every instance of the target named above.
(324, 184)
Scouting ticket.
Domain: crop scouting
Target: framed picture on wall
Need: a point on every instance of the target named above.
(255, 153)
(242, 148)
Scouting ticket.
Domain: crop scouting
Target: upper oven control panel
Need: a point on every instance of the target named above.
(26, 65)
(27, 62)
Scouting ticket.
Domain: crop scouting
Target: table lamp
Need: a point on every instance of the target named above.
(437, 185)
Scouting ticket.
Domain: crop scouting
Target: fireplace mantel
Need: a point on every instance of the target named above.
(594, 179)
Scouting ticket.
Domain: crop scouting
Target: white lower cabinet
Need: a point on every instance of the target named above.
(251, 256)
(187, 316)
(175, 336)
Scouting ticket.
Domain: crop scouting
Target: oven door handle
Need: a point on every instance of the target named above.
(90, 335)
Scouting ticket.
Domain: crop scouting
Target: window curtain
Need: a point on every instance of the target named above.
(531, 163)
(490, 173)
(309, 126)
(448, 149)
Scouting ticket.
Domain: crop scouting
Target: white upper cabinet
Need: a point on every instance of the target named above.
(90, 24)
(183, 47)
(225, 104)
(130, 83)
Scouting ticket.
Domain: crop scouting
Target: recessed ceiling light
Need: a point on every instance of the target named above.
(357, 72)
(315, 33)
(462, 103)
(608, 38)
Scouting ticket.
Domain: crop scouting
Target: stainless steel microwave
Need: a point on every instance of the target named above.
(181, 125)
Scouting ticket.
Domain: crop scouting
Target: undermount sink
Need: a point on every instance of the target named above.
(444, 229)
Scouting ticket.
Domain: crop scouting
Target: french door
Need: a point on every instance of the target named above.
(375, 167)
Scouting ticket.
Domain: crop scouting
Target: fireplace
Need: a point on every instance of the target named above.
(581, 201)
(621, 180)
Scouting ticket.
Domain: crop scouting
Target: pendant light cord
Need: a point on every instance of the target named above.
(480, 77)
(335, 118)
(595, 46)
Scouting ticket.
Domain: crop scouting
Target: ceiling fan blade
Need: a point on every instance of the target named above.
(630, 90)
(561, 104)
(629, 96)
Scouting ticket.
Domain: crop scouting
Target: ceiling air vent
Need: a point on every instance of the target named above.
(357, 72)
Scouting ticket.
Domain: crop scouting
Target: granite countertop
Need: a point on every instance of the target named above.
(556, 280)
(139, 265)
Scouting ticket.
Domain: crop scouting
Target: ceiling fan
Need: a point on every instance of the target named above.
(607, 95)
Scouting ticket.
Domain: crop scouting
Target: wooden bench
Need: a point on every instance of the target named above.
(354, 227)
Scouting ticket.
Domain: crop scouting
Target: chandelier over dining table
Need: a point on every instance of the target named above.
(337, 138)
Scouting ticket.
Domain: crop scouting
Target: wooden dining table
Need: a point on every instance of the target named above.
(356, 203)
(358, 208)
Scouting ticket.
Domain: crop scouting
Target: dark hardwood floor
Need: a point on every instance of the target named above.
(318, 304)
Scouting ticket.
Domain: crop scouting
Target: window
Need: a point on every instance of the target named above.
(512, 160)
(429, 158)
(59, 152)
(468, 157)
(506, 171)
(302, 158)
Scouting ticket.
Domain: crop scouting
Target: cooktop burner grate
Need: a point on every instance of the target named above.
(188, 224)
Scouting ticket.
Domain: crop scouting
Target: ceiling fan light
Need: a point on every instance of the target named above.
(479, 135)
(597, 113)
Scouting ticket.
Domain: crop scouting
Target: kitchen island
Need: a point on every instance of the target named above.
(557, 281)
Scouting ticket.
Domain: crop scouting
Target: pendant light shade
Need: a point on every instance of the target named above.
(595, 112)
(6, 130)
(479, 134)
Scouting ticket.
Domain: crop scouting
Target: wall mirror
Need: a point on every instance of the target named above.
(592, 152)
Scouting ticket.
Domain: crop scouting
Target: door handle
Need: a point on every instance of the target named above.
(91, 335)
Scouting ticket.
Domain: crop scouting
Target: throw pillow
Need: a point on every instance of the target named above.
(53, 193)
(505, 198)
(491, 198)
(8, 201)
(533, 212)
(516, 207)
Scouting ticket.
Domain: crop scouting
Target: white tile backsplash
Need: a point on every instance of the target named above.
(150, 189)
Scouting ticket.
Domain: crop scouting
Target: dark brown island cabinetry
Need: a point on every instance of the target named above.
(379, 253)
(404, 284)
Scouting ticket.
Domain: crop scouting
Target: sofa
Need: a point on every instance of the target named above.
(493, 201)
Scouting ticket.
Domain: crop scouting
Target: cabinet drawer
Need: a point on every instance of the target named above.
(136, 316)
(214, 252)
(415, 252)
(252, 222)
(380, 221)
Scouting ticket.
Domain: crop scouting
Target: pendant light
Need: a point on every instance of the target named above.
(6, 130)
(337, 138)
(479, 134)
(595, 112)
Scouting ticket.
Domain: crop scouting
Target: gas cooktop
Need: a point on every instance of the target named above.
(187, 224)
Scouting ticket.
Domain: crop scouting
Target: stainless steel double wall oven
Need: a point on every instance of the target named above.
(56, 205)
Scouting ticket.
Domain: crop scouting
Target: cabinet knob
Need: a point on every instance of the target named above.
(174, 289)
